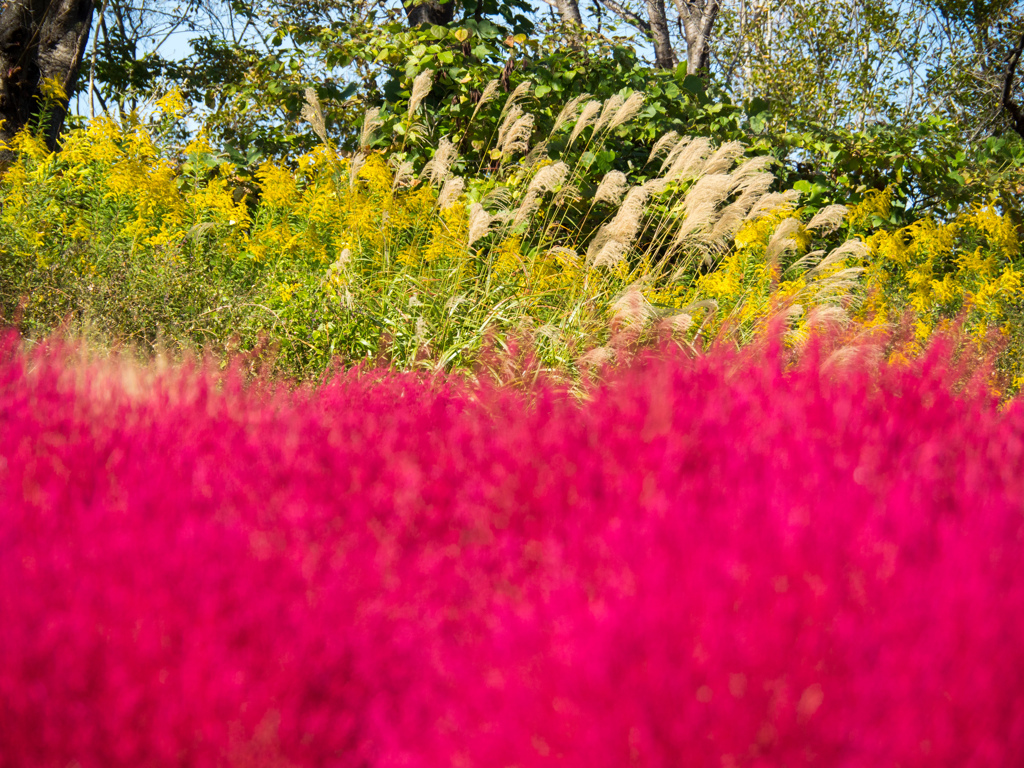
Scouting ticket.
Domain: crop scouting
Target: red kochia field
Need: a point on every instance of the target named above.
(710, 562)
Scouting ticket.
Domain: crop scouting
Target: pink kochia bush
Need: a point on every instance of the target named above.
(709, 562)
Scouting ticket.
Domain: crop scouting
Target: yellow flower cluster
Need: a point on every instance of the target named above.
(970, 265)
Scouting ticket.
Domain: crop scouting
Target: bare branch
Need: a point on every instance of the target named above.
(627, 15)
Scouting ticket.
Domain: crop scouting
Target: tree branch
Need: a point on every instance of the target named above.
(627, 15)
(1007, 96)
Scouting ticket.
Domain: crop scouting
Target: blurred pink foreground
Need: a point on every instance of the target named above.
(710, 563)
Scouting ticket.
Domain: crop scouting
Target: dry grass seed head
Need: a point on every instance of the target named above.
(774, 202)
(545, 180)
(730, 219)
(569, 193)
(451, 192)
(608, 111)
(631, 309)
(611, 189)
(663, 145)
(499, 197)
(371, 122)
(313, 114)
(752, 186)
(723, 158)
(828, 219)
(569, 112)
(613, 239)
(517, 140)
(690, 160)
(354, 167)
(420, 88)
(489, 90)
(507, 122)
(536, 154)
(711, 189)
(436, 170)
(589, 111)
(782, 239)
(674, 152)
(628, 110)
(850, 249)
(479, 223)
(753, 166)
(404, 175)
(627, 219)
(517, 95)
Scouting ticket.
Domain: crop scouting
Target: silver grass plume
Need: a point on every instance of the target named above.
(420, 88)
(677, 148)
(538, 153)
(545, 180)
(752, 184)
(451, 192)
(665, 144)
(569, 193)
(837, 286)
(517, 137)
(489, 90)
(701, 204)
(569, 112)
(628, 110)
(590, 110)
(632, 309)
(774, 202)
(479, 222)
(806, 261)
(499, 197)
(507, 122)
(753, 166)
(825, 316)
(608, 111)
(655, 187)
(371, 122)
(627, 220)
(611, 189)
(613, 239)
(689, 162)
(828, 218)
(313, 114)
(723, 158)
(516, 96)
(436, 170)
(849, 249)
(782, 239)
(404, 174)
(730, 219)
(354, 166)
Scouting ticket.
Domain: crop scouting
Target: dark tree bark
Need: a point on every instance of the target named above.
(664, 56)
(420, 12)
(1009, 73)
(39, 40)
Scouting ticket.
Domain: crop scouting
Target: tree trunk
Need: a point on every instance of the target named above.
(699, 18)
(664, 56)
(40, 40)
(420, 12)
(569, 10)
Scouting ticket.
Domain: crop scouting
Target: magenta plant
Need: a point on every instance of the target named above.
(712, 562)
